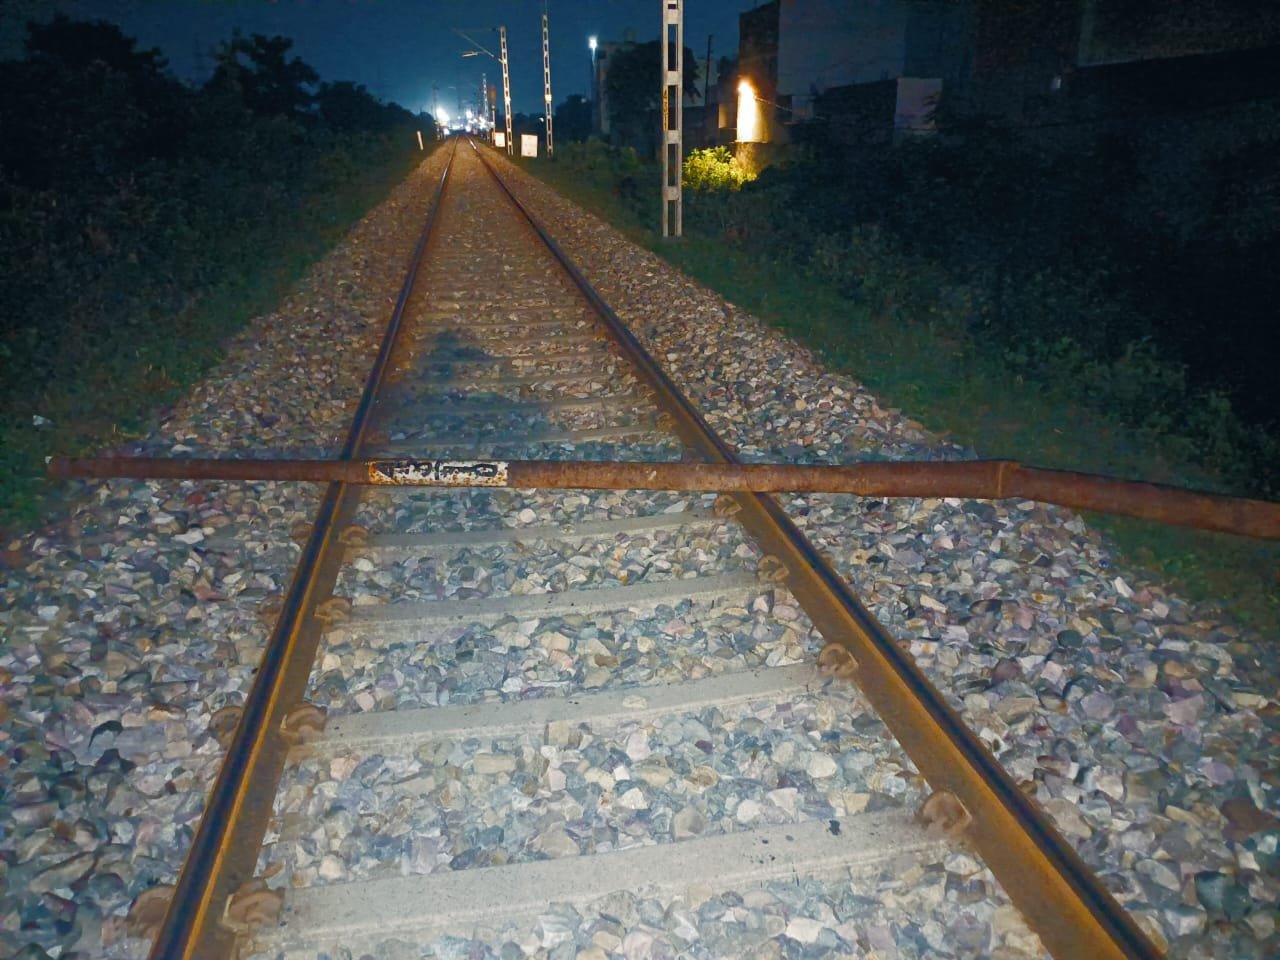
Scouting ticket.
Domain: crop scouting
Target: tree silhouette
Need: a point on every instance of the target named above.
(85, 104)
(573, 119)
(349, 106)
(633, 87)
(258, 71)
(81, 44)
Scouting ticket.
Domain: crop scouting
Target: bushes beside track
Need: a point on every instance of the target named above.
(142, 222)
(1051, 279)
(1057, 262)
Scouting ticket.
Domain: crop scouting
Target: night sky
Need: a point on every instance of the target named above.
(399, 48)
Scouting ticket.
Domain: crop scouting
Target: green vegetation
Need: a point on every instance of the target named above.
(927, 337)
(632, 92)
(615, 182)
(715, 168)
(142, 223)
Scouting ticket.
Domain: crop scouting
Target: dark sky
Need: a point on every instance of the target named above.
(399, 48)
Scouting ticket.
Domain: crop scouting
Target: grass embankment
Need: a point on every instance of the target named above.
(957, 387)
(130, 367)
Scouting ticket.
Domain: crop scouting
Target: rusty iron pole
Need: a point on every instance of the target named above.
(963, 479)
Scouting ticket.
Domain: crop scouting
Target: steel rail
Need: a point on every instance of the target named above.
(225, 850)
(964, 479)
(1064, 902)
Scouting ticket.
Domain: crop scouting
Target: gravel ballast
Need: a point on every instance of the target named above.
(127, 627)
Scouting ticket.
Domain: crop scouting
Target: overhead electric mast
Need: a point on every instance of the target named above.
(506, 73)
(546, 77)
(506, 87)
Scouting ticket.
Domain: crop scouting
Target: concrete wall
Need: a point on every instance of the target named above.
(834, 43)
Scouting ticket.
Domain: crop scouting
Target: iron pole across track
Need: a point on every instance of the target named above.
(1062, 900)
(962, 479)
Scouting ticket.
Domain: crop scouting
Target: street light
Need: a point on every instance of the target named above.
(592, 43)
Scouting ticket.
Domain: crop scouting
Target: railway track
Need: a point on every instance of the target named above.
(500, 722)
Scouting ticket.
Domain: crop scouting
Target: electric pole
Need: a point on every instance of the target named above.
(546, 78)
(506, 88)
(672, 116)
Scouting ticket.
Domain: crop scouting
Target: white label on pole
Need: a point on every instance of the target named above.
(528, 144)
(439, 473)
(499, 138)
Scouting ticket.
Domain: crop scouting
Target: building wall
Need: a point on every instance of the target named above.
(981, 56)
(939, 39)
(824, 44)
(1121, 31)
(701, 116)
(758, 64)
(600, 72)
(1005, 59)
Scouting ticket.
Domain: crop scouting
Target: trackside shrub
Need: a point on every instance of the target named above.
(714, 168)
(617, 170)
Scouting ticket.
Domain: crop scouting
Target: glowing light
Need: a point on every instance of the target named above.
(442, 116)
(750, 122)
(592, 42)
